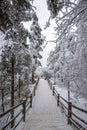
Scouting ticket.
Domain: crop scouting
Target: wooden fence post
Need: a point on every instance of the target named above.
(58, 99)
(69, 112)
(50, 85)
(24, 109)
(34, 90)
(53, 91)
(37, 82)
(30, 100)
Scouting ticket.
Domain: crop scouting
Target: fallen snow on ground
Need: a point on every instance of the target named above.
(45, 115)
(77, 101)
(40, 107)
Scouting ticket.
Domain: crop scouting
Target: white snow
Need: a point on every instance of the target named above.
(45, 115)
(77, 101)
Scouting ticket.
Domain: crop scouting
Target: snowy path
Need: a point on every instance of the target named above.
(45, 115)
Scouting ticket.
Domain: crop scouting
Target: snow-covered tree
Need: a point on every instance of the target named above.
(26, 57)
(22, 66)
(36, 41)
(13, 12)
(70, 60)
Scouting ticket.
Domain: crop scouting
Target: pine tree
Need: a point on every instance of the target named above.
(36, 41)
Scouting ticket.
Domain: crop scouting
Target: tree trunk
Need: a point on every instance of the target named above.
(19, 88)
(32, 77)
(3, 100)
(68, 91)
(12, 89)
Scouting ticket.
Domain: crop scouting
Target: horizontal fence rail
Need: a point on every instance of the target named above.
(68, 109)
(23, 108)
(72, 117)
(15, 117)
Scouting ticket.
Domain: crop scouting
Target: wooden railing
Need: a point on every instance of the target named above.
(23, 108)
(13, 120)
(69, 110)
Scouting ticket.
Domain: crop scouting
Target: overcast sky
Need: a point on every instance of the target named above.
(43, 15)
(42, 12)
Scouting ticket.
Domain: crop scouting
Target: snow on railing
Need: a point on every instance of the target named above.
(67, 107)
(69, 110)
(23, 108)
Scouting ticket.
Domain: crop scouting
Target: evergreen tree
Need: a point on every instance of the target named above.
(70, 60)
(36, 41)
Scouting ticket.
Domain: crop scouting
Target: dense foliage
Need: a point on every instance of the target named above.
(14, 46)
(68, 61)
